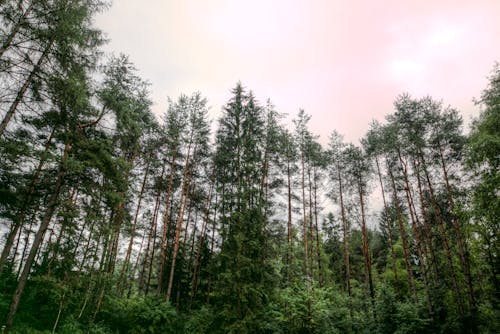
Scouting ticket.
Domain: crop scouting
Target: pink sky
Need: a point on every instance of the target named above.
(344, 62)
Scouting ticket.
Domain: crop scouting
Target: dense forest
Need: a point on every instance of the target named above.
(117, 220)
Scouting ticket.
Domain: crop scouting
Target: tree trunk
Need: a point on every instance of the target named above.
(425, 218)
(179, 223)
(311, 230)
(437, 212)
(403, 233)
(19, 221)
(163, 248)
(415, 226)
(389, 228)
(304, 229)
(15, 29)
(318, 247)
(126, 263)
(344, 230)
(200, 245)
(366, 250)
(152, 228)
(289, 223)
(51, 206)
(20, 94)
(461, 248)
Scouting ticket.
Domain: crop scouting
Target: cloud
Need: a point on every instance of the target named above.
(342, 61)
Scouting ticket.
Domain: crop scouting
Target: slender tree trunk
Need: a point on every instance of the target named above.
(200, 245)
(389, 228)
(304, 229)
(73, 196)
(25, 246)
(87, 247)
(15, 29)
(163, 248)
(179, 223)
(344, 230)
(403, 234)
(422, 256)
(51, 206)
(212, 244)
(366, 249)
(20, 94)
(151, 258)
(461, 248)
(318, 246)
(136, 266)
(189, 211)
(311, 229)
(19, 221)
(152, 229)
(289, 223)
(425, 218)
(126, 263)
(437, 212)
(61, 303)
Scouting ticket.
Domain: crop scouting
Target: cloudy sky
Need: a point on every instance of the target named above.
(343, 61)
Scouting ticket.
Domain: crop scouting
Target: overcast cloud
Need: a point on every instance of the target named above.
(344, 62)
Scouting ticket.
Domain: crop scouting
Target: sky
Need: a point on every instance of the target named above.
(342, 61)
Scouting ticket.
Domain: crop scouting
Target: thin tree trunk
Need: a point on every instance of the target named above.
(344, 230)
(318, 248)
(403, 234)
(25, 246)
(126, 263)
(437, 212)
(389, 228)
(427, 229)
(304, 229)
(152, 228)
(311, 229)
(184, 190)
(200, 245)
(151, 258)
(51, 206)
(461, 248)
(136, 265)
(289, 223)
(20, 94)
(366, 250)
(15, 29)
(212, 244)
(163, 248)
(61, 302)
(19, 221)
(415, 226)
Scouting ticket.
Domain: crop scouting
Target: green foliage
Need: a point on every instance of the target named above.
(140, 315)
(74, 155)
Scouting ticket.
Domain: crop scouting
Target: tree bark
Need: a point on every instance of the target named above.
(366, 250)
(461, 248)
(403, 233)
(134, 226)
(437, 212)
(19, 221)
(20, 94)
(318, 248)
(51, 206)
(179, 223)
(389, 228)
(304, 227)
(163, 248)
(344, 230)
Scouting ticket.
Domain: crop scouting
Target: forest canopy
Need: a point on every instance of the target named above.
(118, 220)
